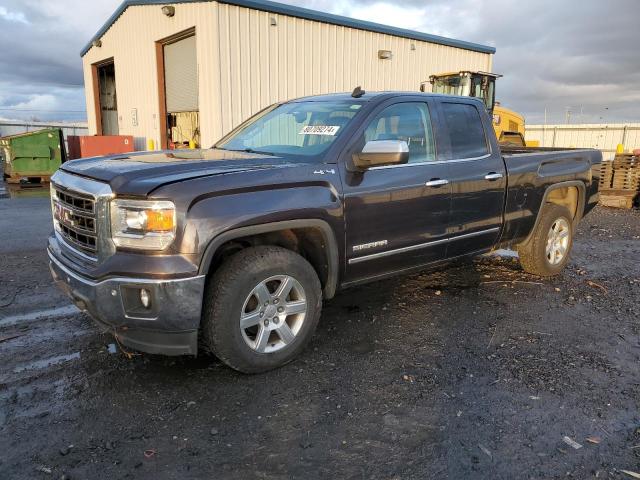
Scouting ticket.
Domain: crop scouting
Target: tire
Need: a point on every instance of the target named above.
(534, 256)
(237, 291)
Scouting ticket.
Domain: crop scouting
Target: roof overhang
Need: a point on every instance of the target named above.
(299, 12)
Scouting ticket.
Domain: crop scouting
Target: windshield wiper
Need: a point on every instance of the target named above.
(251, 150)
(246, 150)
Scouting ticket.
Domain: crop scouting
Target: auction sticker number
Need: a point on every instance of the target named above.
(319, 130)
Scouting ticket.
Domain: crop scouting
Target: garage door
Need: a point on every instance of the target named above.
(181, 76)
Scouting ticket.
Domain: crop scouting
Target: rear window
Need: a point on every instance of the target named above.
(465, 130)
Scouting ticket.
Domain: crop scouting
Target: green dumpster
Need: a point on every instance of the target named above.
(32, 155)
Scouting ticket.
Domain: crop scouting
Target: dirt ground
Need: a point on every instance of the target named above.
(475, 372)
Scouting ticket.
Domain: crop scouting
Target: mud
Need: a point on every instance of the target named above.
(475, 372)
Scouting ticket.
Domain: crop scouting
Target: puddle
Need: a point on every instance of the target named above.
(503, 252)
(46, 362)
(24, 190)
(31, 316)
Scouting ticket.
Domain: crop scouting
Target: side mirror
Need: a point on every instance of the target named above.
(377, 153)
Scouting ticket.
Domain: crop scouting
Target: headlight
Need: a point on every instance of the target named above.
(143, 224)
(54, 197)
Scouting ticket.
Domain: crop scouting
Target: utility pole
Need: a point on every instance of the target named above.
(544, 126)
(568, 116)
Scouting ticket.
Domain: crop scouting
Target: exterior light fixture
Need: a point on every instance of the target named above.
(413, 46)
(273, 21)
(385, 54)
(169, 10)
(97, 43)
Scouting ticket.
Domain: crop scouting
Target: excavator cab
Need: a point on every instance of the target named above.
(481, 85)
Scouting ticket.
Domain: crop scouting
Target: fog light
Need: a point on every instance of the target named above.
(145, 297)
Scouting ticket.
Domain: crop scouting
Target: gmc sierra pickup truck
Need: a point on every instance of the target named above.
(232, 249)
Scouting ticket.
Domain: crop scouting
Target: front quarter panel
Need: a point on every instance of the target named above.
(210, 206)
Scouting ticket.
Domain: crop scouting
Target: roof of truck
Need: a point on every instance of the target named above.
(306, 13)
(346, 96)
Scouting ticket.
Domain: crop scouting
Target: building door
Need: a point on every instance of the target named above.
(181, 92)
(108, 99)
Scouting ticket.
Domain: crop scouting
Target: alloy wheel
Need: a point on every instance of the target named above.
(273, 314)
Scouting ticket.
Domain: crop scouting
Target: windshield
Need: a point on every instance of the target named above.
(452, 85)
(297, 129)
(466, 86)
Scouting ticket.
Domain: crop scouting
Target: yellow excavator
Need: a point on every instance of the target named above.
(508, 125)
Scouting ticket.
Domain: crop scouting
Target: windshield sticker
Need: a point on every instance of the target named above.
(319, 130)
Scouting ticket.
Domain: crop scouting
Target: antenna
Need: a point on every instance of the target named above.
(358, 92)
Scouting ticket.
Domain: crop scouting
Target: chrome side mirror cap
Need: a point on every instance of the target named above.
(377, 153)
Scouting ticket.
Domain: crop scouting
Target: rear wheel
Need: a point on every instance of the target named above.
(547, 251)
(261, 309)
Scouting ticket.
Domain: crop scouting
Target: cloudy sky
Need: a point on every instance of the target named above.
(554, 54)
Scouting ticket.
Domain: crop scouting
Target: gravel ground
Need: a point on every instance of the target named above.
(477, 372)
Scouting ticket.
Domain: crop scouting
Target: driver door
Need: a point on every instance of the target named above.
(396, 216)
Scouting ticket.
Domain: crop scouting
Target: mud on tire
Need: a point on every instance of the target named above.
(539, 254)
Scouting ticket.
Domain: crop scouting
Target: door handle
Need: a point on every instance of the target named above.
(493, 176)
(436, 182)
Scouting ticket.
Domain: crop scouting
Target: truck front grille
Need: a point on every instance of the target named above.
(75, 218)
(76, 201)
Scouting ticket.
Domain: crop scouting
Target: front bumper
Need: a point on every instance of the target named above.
(168, 327)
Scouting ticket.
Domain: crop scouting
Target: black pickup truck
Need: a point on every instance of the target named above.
(232, 249)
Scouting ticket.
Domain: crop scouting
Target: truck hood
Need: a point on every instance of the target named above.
(142, 172)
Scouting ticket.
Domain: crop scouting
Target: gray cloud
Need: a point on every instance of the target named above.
(40, 65)
(553, 54)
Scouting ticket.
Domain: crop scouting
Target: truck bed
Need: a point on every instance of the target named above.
(532, 170)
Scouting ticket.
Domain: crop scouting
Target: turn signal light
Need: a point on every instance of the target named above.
(160, 220)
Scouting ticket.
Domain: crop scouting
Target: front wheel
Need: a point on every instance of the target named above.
(261, 308)
(546, 253)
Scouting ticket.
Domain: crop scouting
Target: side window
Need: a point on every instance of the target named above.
(465, 130)
(405, 121)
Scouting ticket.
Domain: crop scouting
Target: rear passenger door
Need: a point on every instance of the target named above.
(477, 177)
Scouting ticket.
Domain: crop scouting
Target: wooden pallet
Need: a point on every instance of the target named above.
(620, 181)
(623, 173)
(618, 198)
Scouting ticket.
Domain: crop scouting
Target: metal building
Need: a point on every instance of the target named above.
(192, 70)
(602, 136)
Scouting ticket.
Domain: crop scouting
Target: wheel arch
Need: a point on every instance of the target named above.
(328, 250)
(552, 195)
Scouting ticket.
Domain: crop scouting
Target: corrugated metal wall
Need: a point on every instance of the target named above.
(605, 137)
(131, 43)
(245, 63)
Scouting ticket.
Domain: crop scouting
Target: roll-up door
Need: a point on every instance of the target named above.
(181, 75)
